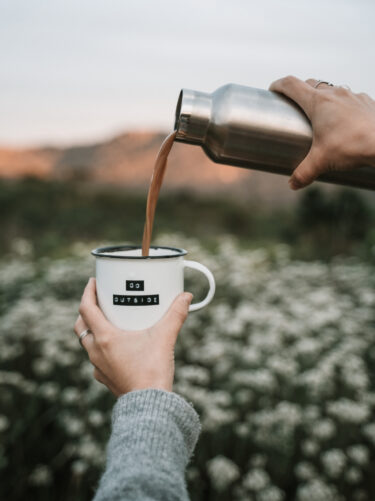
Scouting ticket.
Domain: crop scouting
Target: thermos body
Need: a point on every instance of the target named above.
(254, 128)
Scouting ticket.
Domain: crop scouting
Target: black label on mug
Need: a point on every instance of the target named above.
(135, 285)
(149, 300)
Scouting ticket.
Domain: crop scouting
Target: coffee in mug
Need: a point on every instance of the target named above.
(135, 291)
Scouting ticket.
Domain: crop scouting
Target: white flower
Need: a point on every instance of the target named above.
(258, 460)
(13, 272)
(251, 356)
(10, 352)
(96, 418)
(289, 412)
(41, 475)
(244, 396)
(22, 247)
(221, 398)
(222, 472)
(308, 348)
(261, 380)
(212, 352)
(49, 390)
(324, 429)
(90, 451)
(222, 368)
(242, 430)
(305, 470)
(256, 480)
(316, 490)
(310, 448)
(369, 432)
(79, 467)
(359, 454)
(214, 417)
(72, 425)
(194, 374)
(192, 474)
(271, 493)
(311, 413)
(277, 427)
(42, 367)
(318, 381)
(353, 475)
(70, 395)
(334, 462)
(346, 410)
(283, 366)
(358, 381)
(4, 423)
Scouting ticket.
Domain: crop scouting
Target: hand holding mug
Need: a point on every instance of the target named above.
(134, 310)
(127, 360)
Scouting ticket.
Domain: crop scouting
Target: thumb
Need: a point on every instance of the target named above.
(171, 323)
(308, 170)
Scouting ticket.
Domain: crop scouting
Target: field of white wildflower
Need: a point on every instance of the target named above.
(280, 367)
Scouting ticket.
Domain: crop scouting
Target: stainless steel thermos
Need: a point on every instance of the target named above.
(254, 128)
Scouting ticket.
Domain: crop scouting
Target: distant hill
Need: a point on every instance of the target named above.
(127, 160)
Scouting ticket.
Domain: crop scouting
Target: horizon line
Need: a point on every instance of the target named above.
(79, 142)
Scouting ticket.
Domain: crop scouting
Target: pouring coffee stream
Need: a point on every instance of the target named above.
(154, 189)
(246, 127)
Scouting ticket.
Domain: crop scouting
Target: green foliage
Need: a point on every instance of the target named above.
(332, 223)
(55, 214)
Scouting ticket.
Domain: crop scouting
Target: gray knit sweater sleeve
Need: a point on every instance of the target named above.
(153, 436)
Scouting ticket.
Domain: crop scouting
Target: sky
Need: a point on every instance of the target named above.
(76, 71)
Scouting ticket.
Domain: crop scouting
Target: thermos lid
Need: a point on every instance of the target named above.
(193, 114)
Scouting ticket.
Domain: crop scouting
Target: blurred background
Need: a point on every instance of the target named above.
(88, 91)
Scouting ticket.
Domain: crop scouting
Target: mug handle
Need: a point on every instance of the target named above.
(197, 266)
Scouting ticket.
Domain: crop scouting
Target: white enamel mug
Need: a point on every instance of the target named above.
(135, 291)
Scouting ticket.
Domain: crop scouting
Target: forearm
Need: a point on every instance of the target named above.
(153, 435)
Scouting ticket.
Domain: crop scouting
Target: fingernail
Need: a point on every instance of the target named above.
(188, 297)
(294, 184)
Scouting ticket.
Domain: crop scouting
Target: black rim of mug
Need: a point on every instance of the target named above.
(106, 252)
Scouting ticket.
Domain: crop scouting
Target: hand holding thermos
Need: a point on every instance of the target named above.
(343, 125)
(275, 131)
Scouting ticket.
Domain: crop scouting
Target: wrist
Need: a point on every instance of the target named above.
(372, 160)
(369, 148)
(145, 383)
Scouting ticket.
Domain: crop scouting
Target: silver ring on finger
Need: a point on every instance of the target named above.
(323, 82)
(83, 335)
